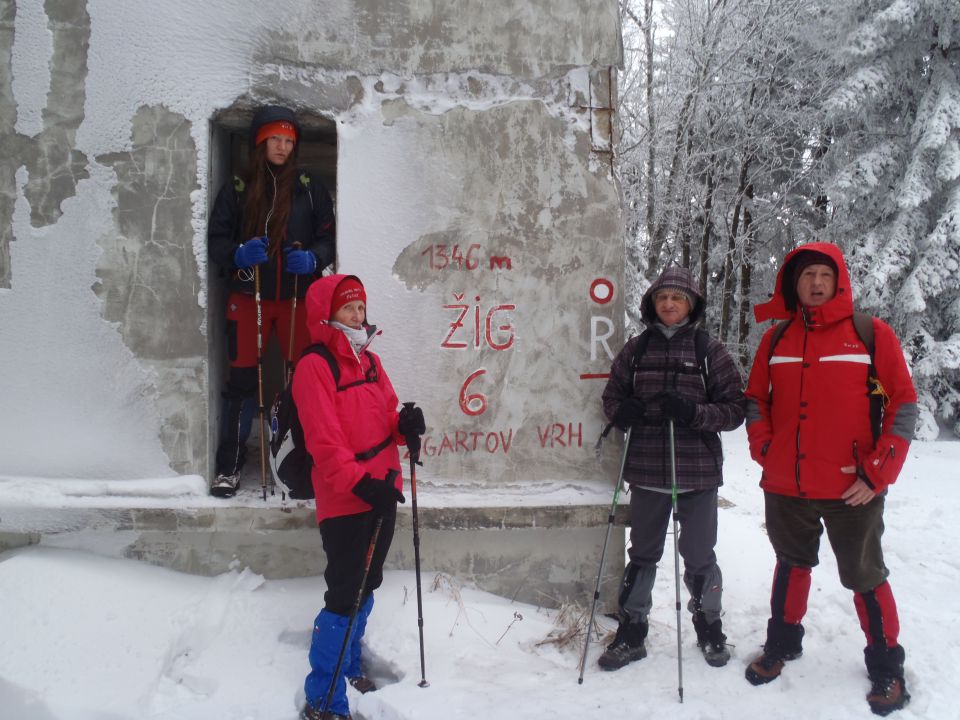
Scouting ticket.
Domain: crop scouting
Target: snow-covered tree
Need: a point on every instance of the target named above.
(750, 126)
(718, 105)
(894, 187)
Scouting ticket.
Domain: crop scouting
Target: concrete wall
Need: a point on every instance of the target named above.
(458, 127)
(545, 556)
(475, 197)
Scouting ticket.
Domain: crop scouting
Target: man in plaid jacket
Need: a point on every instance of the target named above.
(702, 393)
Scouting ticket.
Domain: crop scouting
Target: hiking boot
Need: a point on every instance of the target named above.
(784, 643)
(887, 695)
(311, 713)
(362, 684)
(711, 640)
(768, 666)
(626, 647)
(225, 486)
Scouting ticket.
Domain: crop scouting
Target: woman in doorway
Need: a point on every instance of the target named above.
(351, 428)
(274, 228)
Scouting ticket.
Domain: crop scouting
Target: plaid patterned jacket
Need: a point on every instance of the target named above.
(672, 364)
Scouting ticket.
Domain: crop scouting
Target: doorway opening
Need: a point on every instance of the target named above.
(228, 157)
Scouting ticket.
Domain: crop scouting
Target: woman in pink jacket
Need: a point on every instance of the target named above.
(352, 429)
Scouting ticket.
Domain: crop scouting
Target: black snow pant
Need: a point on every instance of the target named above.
(346, 540)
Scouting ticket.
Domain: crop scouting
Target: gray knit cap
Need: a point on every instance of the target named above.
(675, 289)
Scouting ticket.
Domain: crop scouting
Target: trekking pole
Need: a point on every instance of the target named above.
(416, 562)
(676, 558)
(293, 324)
(603, 553)
(263, 421)
(353, 615)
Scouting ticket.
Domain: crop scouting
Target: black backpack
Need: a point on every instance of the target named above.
(863, 324)
(701, 339)
(290, 462)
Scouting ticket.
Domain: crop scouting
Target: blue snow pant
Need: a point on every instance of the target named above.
(329, 629)
(345, 543)
(649, 516)
(354, 668)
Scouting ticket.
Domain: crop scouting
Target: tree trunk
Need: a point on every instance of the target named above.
(821, 201)
(651, 118)
(745, 275)
(704, 248)
(660, 233)
(726, 308)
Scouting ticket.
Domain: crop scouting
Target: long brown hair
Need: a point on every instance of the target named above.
(261, 202)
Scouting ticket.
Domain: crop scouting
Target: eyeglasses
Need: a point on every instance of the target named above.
(669, 297)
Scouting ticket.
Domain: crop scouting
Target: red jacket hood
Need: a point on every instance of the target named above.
(783, 305)
(319, 300)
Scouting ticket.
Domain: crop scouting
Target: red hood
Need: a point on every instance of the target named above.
(783, 305)
(319, 299)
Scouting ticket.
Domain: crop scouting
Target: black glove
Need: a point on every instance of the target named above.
(676, 407)
(629, 413)
(379, 494)
(412, 425)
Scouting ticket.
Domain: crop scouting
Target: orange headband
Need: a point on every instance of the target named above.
(282, 128)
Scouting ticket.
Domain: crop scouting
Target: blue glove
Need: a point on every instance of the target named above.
(252, 252)
(300, 262)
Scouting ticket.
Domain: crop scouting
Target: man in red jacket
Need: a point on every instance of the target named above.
(824, 463)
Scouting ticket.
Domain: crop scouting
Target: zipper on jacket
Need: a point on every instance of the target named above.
(891, 452)
(803, 363)
(860, 470)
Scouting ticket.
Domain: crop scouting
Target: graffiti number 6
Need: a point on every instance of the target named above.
(479, 399)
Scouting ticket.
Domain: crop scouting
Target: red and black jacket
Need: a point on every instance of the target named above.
(808, 408)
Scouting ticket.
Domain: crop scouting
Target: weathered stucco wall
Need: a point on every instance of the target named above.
(475, 198)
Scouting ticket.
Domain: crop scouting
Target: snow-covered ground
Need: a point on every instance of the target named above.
(84, 637)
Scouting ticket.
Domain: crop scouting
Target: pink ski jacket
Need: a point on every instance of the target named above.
(343, 428)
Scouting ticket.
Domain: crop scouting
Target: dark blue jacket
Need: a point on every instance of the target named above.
(311, 224)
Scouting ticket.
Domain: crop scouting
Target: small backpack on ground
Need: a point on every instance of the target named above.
(290, 462)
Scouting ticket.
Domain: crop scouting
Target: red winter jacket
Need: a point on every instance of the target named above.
(808, 415)
(340, 425)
